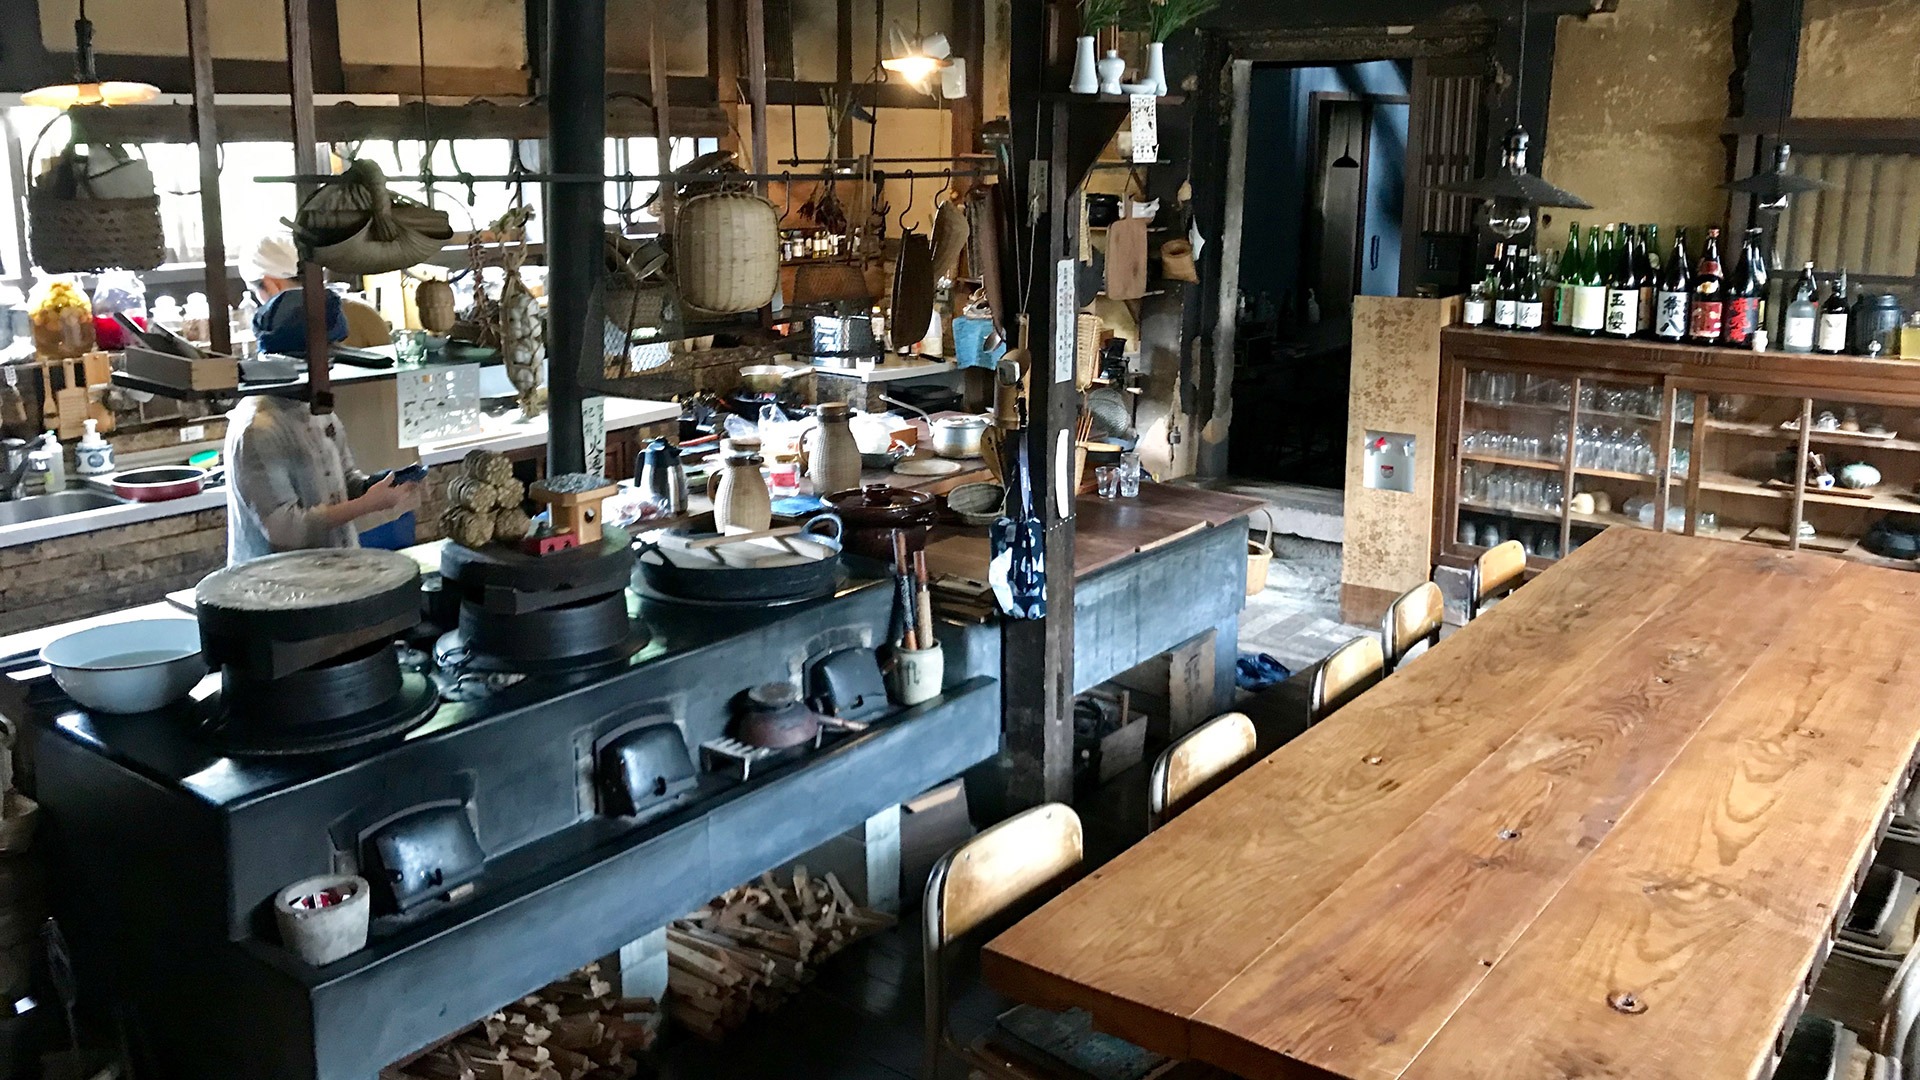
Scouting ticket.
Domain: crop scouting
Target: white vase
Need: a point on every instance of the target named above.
(1157, 67)
(1112, 70)
(1085, 81)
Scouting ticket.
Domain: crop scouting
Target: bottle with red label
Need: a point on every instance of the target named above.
(1746, 292)
(1706, 308)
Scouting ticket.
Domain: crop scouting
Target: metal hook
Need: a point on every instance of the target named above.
(945, 189)
(786, 178)
(902, 223)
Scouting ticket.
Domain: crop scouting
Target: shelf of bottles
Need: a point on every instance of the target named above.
(1552, 461)
(1617, 282)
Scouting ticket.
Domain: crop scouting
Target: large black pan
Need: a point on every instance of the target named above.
(711, 575)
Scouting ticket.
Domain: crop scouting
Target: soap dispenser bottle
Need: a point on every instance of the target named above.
(49, 463)
(94, 455)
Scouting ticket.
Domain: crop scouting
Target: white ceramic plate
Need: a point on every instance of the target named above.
(927, 467)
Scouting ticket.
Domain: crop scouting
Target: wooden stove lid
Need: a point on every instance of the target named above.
(314, 580)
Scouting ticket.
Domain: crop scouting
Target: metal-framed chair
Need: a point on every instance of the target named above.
(1195, 761)
(1415, 617)
(1350, 671)
(1008, 863)
(1498, 571)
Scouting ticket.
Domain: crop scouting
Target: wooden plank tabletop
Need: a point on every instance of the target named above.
(1105, 530)
(1601, 832)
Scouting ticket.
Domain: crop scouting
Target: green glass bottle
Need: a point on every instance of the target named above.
(1590, 294)
(1564, 279)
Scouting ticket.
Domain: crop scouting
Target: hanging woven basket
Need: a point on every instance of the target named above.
(70, 236)
(727, 252)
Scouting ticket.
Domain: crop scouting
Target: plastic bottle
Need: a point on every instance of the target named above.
(94, 455)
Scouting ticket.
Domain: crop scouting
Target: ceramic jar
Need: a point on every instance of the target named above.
(874, 514)
(833, 457)
(1112, 70)
(742, 502)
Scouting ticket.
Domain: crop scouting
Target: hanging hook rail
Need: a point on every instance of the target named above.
(596, 178)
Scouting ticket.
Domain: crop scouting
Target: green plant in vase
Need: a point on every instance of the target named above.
(1162, 19)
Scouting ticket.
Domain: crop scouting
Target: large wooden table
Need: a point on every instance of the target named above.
(1602, 832)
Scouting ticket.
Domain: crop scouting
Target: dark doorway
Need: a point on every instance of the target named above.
(1325, 187)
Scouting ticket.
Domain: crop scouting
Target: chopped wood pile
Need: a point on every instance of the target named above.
(574, 1029)
(754, 946)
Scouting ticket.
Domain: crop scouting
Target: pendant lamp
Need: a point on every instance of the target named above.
(1774, 186)
(913, 60)
(1510, 194)
(86, 87)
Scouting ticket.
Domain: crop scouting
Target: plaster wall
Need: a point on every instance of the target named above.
(1639, 98)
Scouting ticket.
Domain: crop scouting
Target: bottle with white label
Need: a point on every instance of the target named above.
(1803, 315)
(1623, 288)
(1531, 308)
(1834, 320)
(1473, 312)
(1590, 292)
(1506, 295)
(1670, 297)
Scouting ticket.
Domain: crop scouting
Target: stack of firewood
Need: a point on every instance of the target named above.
(574, 1029)
(754, 946)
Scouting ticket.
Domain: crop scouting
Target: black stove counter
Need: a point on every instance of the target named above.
(172, 851)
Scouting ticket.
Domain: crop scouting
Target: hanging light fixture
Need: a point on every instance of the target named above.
(914, 60)
(1510, 194)
(86, 87)
(1774, 186)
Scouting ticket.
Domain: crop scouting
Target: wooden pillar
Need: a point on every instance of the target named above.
(306, 162)
(1037, 655)
(756, 15)
(206, 134)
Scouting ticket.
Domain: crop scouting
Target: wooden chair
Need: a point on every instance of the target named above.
(1350, 671)
(976, 881)
(1498, 571)
(1200, 757)
(1413, 618)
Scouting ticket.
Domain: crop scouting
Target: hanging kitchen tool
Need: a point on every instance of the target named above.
(355, 225)
(1017, 569)
(1127, 257)
(951, 232)
(913, 284)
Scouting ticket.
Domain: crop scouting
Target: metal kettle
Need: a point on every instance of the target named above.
(662, 478)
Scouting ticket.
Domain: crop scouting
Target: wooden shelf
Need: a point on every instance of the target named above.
(1511, 511)
(1862, 555)
(1824, 542)
(1827, 438)
(1610, 474)
(1605, 521)
(1878, 499)
(1518, 463)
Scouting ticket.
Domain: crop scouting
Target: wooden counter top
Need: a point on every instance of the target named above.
(1604, 831)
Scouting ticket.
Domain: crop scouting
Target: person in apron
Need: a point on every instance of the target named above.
(291, 482)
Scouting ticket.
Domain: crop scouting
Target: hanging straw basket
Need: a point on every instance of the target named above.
(356, 226)
(727, 251)
(71, 236)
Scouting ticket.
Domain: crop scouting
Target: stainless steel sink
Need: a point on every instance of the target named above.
(40, 507)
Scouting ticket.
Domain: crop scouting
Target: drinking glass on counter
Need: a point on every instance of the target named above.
(1129, 476)
(1107, 479)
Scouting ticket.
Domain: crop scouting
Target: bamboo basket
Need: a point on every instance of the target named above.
(727, 252)
(70, 236)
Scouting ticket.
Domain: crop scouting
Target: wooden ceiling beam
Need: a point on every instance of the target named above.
(347, 123)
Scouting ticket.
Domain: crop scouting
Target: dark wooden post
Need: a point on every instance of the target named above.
(576, 148)
(206, 134)
(306, 162)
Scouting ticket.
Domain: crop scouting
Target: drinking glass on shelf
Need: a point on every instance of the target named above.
(1708, 521)
(1107, 480)
(1130, 476)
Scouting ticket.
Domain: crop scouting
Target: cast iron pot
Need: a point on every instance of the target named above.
(702, 576)
(874, 513)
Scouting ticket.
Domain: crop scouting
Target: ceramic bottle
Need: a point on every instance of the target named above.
(741, 502)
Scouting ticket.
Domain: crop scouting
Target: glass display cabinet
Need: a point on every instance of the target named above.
(1552, 440)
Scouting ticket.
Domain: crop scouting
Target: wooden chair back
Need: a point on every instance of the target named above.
(1011, 862)
(1498, 571)
(1415, 617)
(1345, 675)
(1201, 756)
